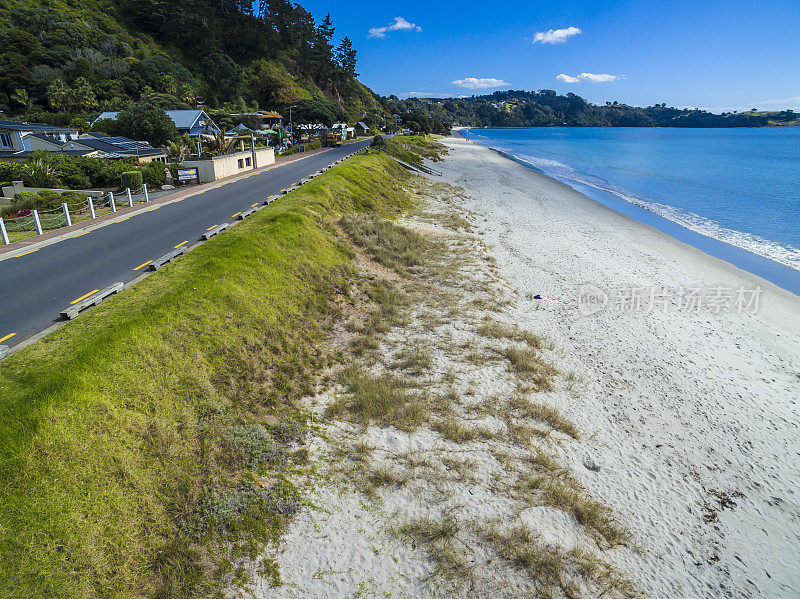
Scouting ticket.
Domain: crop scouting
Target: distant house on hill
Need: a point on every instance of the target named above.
(188, 122)
(18, 138)
(362, 128)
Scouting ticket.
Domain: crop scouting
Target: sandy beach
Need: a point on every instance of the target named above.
(680, 373)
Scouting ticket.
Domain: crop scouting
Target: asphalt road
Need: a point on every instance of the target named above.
(35, 287)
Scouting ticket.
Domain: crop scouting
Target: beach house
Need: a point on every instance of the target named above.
(18, 138)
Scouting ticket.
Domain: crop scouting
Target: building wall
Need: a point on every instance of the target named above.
(16, 140)
(228, 165)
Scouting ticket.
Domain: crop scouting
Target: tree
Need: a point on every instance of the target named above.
(145, 121)
(346, 57)
(21, 97)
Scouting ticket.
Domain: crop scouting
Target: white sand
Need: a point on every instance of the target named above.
(672, 408)
(676, 404)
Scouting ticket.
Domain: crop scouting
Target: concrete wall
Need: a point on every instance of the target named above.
(228, 165)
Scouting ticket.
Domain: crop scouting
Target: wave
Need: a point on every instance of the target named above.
(779, 252)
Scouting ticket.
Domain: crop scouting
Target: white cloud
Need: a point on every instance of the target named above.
(555, 36)
(590, 77)
(475, 83)
(400, 24)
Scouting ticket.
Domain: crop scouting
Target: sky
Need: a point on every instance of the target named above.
(712, 54)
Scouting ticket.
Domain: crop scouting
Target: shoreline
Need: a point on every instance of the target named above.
(759, 264)
(782, 302)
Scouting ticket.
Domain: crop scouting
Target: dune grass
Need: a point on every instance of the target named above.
(116, 430)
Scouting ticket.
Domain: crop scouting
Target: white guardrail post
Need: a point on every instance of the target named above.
(3, 233)
(111, 201)
(146, 195)
(37, 222)
(65, 208)
(130, 199)
(90, 202)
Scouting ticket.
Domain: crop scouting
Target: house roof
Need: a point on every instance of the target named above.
(183, 119)
(269, 114)
(119, 146)
(45, 138)
(23, 126)
(363, 125)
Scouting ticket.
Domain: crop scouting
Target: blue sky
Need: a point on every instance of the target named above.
(712, 54)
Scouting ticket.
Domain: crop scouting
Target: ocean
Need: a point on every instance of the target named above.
(733, 193)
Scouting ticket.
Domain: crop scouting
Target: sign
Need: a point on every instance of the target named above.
(187, 174)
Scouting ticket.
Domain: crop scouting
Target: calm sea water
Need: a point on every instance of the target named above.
(734, 193)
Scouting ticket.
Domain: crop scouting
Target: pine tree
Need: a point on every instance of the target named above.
(346, 57)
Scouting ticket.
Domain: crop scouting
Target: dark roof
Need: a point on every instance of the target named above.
(46, 138)
(23, 126)
(363, 125)
(119, 145)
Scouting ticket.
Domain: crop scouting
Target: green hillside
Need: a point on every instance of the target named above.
(61, 59)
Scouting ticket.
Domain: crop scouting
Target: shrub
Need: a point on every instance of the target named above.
(131, 179)
(154, 174)
(38, 172)
(9, 171)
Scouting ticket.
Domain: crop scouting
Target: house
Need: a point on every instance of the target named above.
(115, 148)
(188, 122)
(362, 128)
(343, 128)
(18, 138)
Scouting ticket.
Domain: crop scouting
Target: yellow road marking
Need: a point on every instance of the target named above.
(75, 301)
(237, 214)
(9, 336)
(82, 234)
(254, 205)
(143, 265)
(211, 227)
(179, 200)
(180, 244)
(26, 253)
(123, 219)
(152, 209)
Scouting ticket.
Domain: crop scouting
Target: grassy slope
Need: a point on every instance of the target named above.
(103, 449)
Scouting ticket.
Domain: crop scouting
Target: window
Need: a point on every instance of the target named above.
(5, 140)
(241, 163)
(247, 161)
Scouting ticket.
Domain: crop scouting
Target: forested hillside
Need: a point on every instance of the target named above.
(546, 107)
(65, 58)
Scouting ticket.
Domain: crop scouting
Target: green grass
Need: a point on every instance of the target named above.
(113, 428)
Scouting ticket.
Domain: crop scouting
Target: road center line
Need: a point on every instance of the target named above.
(9, 336)
(143, 265)
(75, 301)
